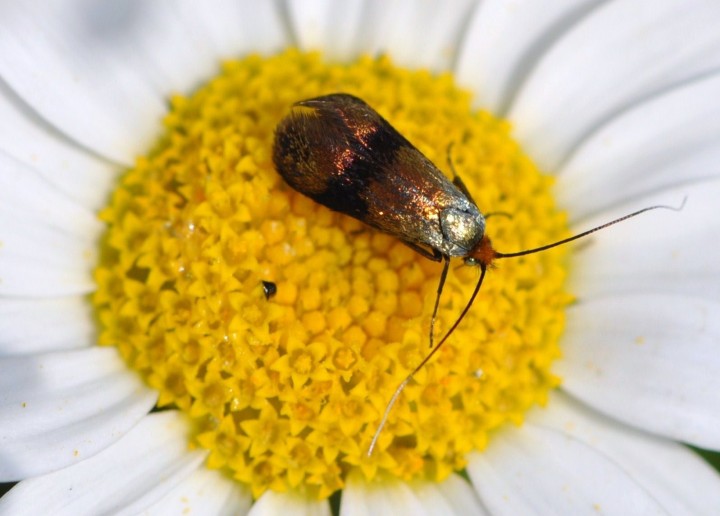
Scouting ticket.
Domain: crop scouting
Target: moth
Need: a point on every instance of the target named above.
(340, 152)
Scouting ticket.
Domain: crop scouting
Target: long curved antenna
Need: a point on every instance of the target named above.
(483, 269)
(593, 230)
(409, 377)
(441, 284)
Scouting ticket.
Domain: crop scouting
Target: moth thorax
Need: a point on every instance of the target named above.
(462, 228)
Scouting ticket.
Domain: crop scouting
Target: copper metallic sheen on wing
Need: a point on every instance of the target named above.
(344, 155)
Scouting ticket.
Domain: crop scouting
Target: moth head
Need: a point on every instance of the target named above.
(463, 229)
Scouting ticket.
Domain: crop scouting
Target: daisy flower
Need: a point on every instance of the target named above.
(180, 331)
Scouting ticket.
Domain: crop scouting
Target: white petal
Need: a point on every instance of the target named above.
(74, 172)
(384, 498)
(414, 34)
(96, 98)
(669, 140)
(47, 241)
(272, 503)
(111, 65)
(232, 28)
(660, 251)
(139, 469)
(505, 38)
(650, 360)
(27, 196)
(679, 479)
(38, 261)
(204, 492)
(621, 53)
(29, 326)
(333, 27)
(452, 496)
(60, 408)
(535, 470)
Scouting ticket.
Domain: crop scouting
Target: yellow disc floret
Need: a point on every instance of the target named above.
(287, 391)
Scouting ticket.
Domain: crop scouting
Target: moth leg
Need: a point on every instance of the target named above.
(497, 214)
(461, 186)
(456, 178)
(441, 284)
(433, 254)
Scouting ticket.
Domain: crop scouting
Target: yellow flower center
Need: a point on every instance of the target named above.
(287, 390)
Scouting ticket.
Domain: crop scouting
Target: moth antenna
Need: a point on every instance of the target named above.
(449, 158)
(593, 230)
(483, 255)
(409, 377)
(441, 284)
